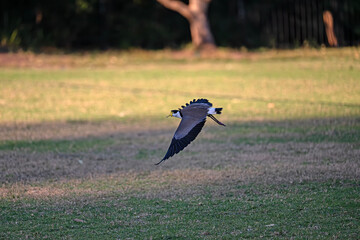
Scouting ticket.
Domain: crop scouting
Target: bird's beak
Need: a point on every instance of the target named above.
(170, 115)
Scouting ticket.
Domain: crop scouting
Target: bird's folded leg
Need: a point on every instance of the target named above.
(217, 121)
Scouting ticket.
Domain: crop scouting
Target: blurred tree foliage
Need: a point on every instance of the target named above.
(76, 24)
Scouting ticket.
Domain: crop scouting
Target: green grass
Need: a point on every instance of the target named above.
(78, 146)
(297, 88)
(316, 211)
(244, 133)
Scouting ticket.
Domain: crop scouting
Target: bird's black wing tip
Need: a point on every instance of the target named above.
(162, 160)
(158, 163)
(178, 145)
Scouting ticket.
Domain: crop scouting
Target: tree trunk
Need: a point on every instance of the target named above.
(199, 26)
(329, 27)
(196, 14)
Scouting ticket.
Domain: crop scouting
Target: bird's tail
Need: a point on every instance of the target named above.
(217, 121)
(218, 110)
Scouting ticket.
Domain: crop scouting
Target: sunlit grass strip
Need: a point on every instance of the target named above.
(282, 89)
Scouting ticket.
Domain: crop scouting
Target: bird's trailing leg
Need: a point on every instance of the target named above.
(217, 121)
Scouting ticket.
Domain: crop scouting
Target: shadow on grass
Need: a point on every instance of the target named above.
(339, 130)
(92, 150)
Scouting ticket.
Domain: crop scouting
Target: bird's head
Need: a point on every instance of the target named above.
(175, 113)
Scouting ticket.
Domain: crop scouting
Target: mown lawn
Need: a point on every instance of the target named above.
(311, 210)
(79, 136)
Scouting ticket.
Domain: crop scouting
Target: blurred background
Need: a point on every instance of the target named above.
(123, 24)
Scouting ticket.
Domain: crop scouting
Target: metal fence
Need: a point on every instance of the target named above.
(291, 23)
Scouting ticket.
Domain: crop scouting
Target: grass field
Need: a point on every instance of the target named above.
(80, 133)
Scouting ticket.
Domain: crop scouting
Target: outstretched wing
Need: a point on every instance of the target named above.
(184, 135)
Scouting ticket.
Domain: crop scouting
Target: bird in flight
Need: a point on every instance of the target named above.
(193, 117)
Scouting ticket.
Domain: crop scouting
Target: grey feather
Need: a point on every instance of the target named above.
(193, 119)
(192, 115)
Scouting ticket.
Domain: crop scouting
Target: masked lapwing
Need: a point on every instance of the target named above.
(193, 117)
